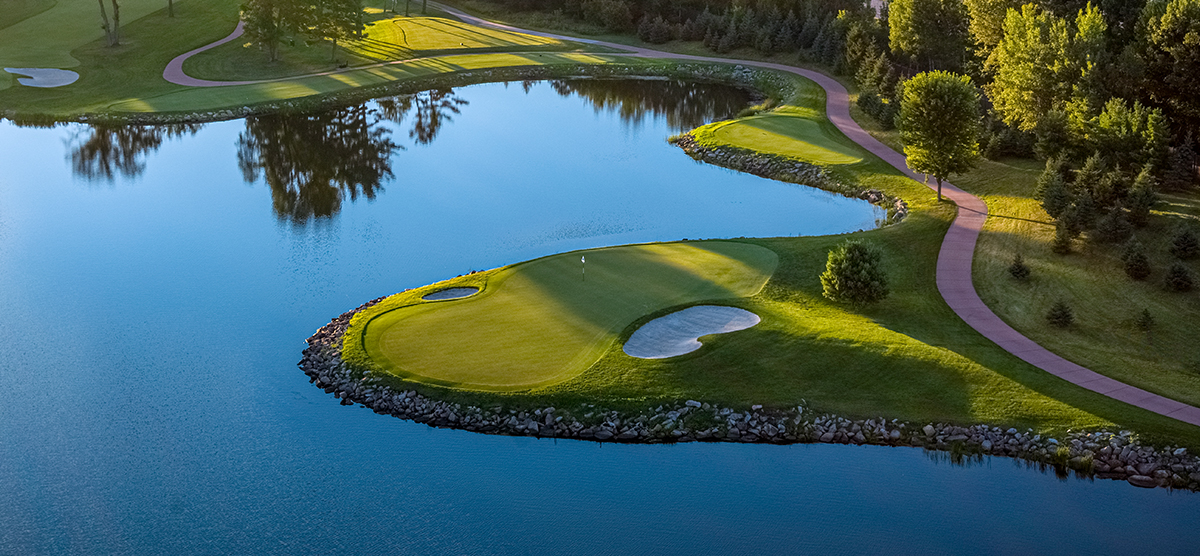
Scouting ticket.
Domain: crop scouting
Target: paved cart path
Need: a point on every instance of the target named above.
(958, 247)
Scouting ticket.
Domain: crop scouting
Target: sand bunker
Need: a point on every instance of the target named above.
(44, 77)
(450, 293)
(679, 332)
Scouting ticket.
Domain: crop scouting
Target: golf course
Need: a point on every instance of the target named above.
(550, 330)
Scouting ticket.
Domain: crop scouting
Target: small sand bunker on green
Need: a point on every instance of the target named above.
(44, 77)
(679, 332)
(547, 320)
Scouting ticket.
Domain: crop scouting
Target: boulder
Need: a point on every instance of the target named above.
(1142, 481)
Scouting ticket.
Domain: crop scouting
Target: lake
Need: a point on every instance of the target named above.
(157, 285)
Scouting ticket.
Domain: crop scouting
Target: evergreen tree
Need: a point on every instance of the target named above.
(1018, 269)
(1113, 227)
(1137, 264)
(1179, 278)
(1185, 245)
(1056, 198)
(785, 38)
(1083, 213)
(1060, 315)
(854, 273)
(1141, 199)
(809, 33)
(1088, 176)
(1063, 235)
(1051, 173)
(1180, 173)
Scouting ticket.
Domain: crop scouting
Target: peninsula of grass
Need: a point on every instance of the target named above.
(548, 320)
(909, 357)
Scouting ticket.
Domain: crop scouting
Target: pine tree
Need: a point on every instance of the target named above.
(1060, 315)
(1179, 278)
(1056, 198)
(1137, 264)
(1018, 269)
(854, 273)
(1088, 177)
(1063, 235)
(1113, 227)
(785, 38)
(1083, 213)
(809, 33)
(1145, 321)
(1185, 245)
(1142, 198)
(1052, 171)
(1181, 167)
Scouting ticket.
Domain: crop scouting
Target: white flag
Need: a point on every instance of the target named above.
(583, 259)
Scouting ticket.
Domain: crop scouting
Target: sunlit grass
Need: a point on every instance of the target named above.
(547, 320)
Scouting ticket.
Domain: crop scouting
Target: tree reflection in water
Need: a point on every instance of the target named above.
(313, 162)
(683, 104)
(102, 151)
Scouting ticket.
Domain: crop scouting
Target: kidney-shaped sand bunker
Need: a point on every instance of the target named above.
(679, 332)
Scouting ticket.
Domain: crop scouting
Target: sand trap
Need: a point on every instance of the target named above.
(679, 332)
(450, 293)
(44, 77)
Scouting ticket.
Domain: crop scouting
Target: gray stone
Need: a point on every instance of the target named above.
(827, 437)
(1142, 481)
(692, 403)
(929, 430)
(603, 434)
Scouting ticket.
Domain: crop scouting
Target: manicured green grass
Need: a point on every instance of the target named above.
(774, 133)
(388, 37)
(908, 357)
(548, 320)
(15, 11)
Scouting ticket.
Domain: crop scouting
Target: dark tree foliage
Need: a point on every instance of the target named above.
(684, 105)
(1144, 321)
(1063, 236)
(1180, 174)
(1113, 227)
(1018, 269)
(854, 273)
(1060, 315)
(1185, 245)
(1137, 264)
(1179, 278)
(1141, 199)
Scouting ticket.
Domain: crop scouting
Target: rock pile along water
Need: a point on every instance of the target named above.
(1102, 454)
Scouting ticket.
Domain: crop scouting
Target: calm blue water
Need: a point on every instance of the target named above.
(151, 327)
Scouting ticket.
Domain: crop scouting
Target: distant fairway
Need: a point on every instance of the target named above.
(790, 135)
(539, 323)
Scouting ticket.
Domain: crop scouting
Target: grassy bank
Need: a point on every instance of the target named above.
(908, 357)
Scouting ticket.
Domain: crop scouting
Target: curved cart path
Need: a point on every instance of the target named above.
(958, 247)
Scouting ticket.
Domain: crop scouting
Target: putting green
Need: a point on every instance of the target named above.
(786, 134)
(541, 322)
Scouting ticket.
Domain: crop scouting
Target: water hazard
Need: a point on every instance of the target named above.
(156, 285)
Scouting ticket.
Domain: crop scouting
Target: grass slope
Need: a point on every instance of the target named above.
(908, 357)
(542, 322)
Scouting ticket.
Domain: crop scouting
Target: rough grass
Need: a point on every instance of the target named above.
(547, 320)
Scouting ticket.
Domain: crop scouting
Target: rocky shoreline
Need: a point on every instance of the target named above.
(1102, 454)
(789, 170)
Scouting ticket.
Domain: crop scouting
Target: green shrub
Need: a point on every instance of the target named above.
(1179, 278)
(1018, 269)
(1145, 321)
(1060, 315)
(1113, 227)
(1137, 264)
(1063, 235)
(1141, 199)
(1185, 244)
(854, 273)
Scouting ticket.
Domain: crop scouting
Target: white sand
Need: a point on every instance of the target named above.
(679, 332)
(450, 293)
(44, 77)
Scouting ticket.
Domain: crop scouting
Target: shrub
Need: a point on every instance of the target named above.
(1179, 278)
(1055, 196)
(1185, 245)
(1018, 269)
(1145, 321)
(1137, 264)
(854, 273)
(1113, 227)
(1060, 315)
(1063, 234)
(1141, 199)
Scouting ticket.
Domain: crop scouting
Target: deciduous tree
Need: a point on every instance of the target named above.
(939, 124)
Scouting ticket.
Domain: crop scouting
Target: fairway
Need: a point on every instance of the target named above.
(541, 322)
(790, 135)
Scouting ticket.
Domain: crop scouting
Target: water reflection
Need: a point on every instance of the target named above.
(313, 162)
(102, 151)
(683, 104)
